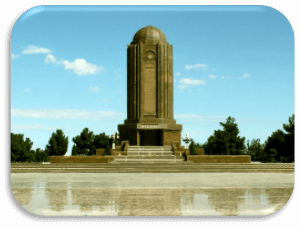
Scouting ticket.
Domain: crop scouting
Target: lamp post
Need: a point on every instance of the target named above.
(114, 139)
(186, 140)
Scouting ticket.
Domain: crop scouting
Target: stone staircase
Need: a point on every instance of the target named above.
(149, 154)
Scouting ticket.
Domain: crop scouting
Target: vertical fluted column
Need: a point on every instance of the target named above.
(170, 82)
(141, 82)
(138, 76)
(161, 80)
(165, 60)
(131, 82)
(158, 95)
(134, 82)
(128, 84)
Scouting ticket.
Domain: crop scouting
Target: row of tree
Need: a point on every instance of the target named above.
(84, 144)
(279, 147)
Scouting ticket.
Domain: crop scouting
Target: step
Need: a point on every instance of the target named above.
(142, 158)
(150, 152)
(156, 148)
(149, 160)
(148, 157)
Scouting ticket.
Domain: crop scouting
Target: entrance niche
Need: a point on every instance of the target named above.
(151, 137)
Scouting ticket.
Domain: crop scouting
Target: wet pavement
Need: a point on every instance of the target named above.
(152, 194)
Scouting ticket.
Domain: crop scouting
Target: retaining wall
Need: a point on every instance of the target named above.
(81, 159)
(219, 158)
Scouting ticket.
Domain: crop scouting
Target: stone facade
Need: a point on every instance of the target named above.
(219, 158)
(81, 159)
(150, 91)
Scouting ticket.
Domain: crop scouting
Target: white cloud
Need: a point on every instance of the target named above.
(66, 114)
(39, 127)
(105, 99)
(26, 90)
(182, 87)
(212, 77)
(35, 50)
(196, 66)
(79, 66)
(246, 75)
(214, 69)
(225, 77)
(196, 117)
(189, 81)
(50, 59)
(14, 56)
(175, 80)
(93, 88)
(16, 127)
(177, 74)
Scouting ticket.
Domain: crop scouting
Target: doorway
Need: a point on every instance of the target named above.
(150, 138)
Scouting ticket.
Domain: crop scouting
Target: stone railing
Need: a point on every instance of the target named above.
(179, 150)
(119, 151)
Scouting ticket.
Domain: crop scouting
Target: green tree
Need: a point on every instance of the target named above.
(107, 149)
(84, 143)
(226, 141)
(222, 138)
(290, 127)
(41, 155)
(101, 140)
(255, 149)
(289, 140)
(236, 144)
(276, 141)
(272, 155)
(192, 148)
(210, 145)
(282, 142)
(58, 144)
(198, 145)
(20, 148)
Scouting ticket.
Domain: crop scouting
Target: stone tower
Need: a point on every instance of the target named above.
(150, 119)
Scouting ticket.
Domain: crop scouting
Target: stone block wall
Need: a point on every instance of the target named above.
(170, 137)
(200, 151)
(81, 159)
(99, 152)
(219, 158)
(128, 134)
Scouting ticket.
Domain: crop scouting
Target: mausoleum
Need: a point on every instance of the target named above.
(150, 111)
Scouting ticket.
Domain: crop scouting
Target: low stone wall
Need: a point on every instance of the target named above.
(113, 152)
(200, 151)
(100, 151)
(81, 159)
(219, 158)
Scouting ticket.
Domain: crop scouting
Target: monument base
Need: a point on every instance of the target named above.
(149, 134)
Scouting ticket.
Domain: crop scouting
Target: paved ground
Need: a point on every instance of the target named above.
(183, 167)
(151, 194)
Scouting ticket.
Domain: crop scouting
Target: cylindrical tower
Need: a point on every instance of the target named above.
(150, 91)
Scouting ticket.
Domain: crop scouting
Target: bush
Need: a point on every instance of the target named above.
(284, 159)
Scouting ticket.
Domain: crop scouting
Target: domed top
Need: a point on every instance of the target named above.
(149, 35)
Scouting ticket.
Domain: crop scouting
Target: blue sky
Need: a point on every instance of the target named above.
(68, 68)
